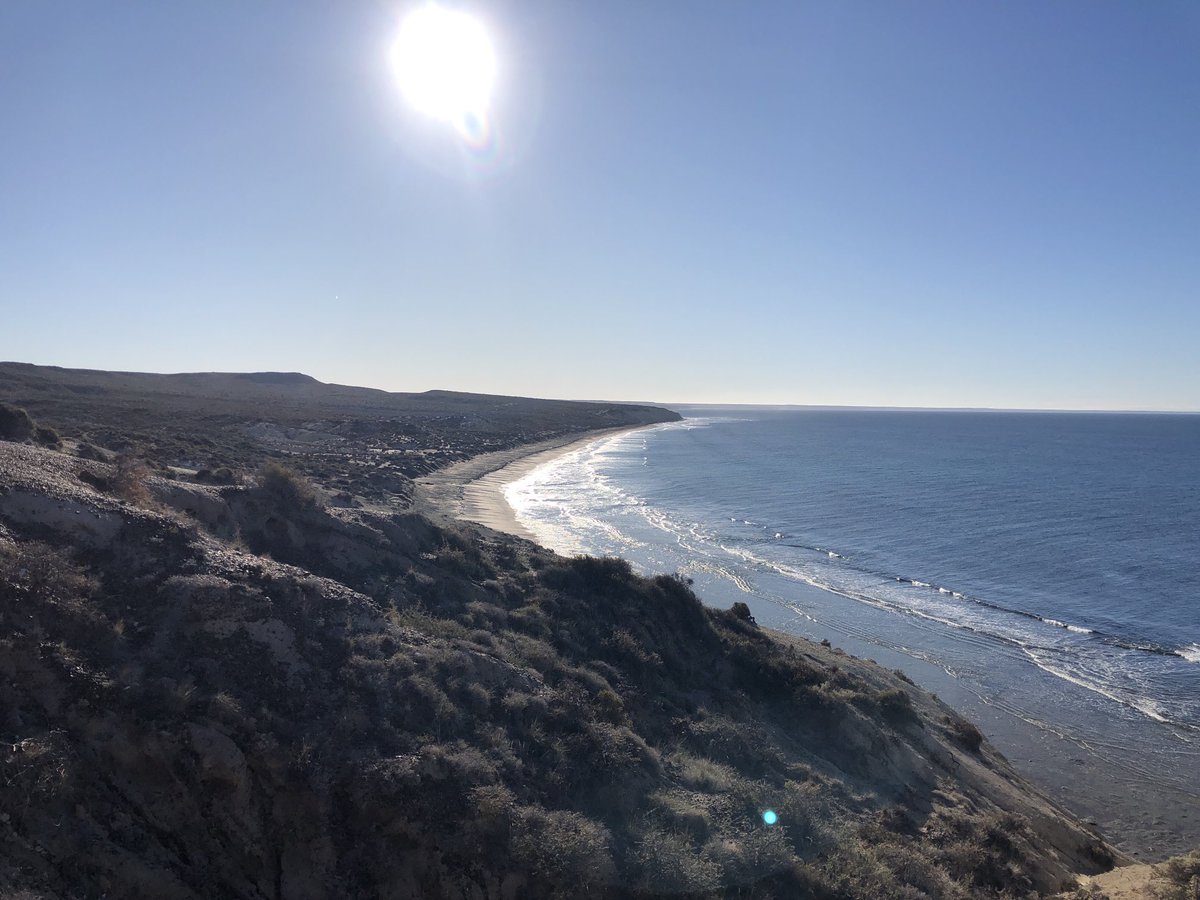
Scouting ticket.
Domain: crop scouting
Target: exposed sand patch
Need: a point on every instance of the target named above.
(1125, 883)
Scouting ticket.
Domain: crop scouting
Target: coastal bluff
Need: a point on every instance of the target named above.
(236, 663)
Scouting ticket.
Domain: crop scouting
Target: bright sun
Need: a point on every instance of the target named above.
(445, 65)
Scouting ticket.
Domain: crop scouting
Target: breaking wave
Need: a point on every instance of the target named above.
(581, 503)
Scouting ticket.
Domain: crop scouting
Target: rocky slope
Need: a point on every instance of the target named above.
(250, 691)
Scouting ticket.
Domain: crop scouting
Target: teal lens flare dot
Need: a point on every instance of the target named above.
(769, 817)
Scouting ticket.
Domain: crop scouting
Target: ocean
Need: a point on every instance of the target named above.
(1039, 571)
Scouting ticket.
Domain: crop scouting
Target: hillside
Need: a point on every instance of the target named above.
(371, 443)
(278, 689)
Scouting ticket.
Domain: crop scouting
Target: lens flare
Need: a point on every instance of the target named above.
(468, 111)
(445, 66)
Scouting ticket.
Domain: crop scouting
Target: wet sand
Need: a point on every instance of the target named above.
(473, 490)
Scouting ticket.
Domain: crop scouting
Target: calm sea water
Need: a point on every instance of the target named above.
(1044, 566)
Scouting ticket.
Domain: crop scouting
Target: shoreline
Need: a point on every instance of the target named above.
(1061, 765)
(473, 490)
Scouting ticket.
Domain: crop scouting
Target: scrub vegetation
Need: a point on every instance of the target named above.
(1182, 877)
(246, 690)
(16, 425)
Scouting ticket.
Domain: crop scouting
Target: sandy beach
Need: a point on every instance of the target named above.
(473, 490)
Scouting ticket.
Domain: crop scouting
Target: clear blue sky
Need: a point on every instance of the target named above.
(908, 203)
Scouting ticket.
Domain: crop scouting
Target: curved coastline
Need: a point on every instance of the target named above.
(1076, 774)
(473, 490)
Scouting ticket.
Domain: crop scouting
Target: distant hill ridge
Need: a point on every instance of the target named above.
(364, 440)
(277, 377)
(29, 382)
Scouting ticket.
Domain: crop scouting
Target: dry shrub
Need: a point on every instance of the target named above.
(1183, 876)
(984, 852)
(562, 846)
(964, 733)
(669, 864)
(35, 769)
(92, 452)
(129, 479)
(47, 437)
(703, 774)
(493, 804)
(221, 475)
(40, 572)
(741, 611)
(467, 562)
(680, 812)
(615, 747)
(896, 706)
(410, 617)
(854, 869)
(458, 761)
(626, 645)
(286, 486)
(15, 424)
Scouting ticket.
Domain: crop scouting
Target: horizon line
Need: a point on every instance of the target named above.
(777, 406)
(848, 407)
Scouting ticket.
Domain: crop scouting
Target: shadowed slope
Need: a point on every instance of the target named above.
(421, 711)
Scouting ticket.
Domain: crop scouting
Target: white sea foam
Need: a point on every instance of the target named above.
(1078, 629)
(575, 500)
(1105, 686)
(739, 581)
(1142, 704)
(1150, 708)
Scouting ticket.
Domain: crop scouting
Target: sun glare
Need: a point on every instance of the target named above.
(445, 65)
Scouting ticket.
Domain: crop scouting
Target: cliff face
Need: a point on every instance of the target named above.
(241, 691)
